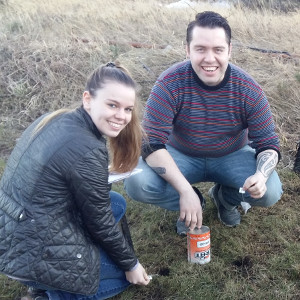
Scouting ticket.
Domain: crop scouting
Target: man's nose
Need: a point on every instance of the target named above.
(209, 56)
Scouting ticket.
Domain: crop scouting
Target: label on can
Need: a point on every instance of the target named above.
(198, 245)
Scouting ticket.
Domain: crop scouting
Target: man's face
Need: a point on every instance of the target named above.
(209, 53)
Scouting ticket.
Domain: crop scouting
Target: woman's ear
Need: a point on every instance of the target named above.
(86, 100)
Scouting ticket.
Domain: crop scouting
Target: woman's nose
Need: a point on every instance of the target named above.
(120, 114)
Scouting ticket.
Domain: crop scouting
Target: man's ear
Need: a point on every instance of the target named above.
(230, 49)
(86, 100)
(187, 50)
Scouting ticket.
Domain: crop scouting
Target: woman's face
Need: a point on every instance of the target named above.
(111, 108)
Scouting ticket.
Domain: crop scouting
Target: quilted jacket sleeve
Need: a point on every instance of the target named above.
(88, 180)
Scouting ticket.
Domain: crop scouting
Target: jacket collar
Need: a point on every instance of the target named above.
(89, 122)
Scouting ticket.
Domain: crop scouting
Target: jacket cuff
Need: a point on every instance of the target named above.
(135, 266)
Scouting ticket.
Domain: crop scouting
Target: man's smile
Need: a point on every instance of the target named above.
(209, 69)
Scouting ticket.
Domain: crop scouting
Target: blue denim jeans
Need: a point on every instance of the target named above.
(112, 278)
(230, 171)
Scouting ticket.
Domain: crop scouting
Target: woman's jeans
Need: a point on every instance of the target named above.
(230, 171)
(112, 278)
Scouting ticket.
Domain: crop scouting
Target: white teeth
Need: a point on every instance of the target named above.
(210, 69)
(115, 125)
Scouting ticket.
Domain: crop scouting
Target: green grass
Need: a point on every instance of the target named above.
(257, 260)
(10, 289)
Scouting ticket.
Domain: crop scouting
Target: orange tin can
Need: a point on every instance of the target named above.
(198, 245)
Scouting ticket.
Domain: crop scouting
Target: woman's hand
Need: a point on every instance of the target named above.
(138, 276)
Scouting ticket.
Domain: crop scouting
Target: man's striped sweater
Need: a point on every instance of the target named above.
(208, 121)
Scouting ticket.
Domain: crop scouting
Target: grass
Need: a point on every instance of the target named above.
(48, 49)
(257, 260)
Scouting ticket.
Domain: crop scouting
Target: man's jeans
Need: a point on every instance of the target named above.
(112, 278)
(229, 171)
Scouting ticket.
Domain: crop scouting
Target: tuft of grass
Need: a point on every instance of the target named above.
(10, 289)
(2, 165)
(275, 5)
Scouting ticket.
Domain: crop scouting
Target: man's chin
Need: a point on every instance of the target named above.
(210, 82)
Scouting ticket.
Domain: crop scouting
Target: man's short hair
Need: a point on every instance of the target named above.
(211, 20)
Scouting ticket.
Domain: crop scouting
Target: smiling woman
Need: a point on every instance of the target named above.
(111, 108)
(55, 193)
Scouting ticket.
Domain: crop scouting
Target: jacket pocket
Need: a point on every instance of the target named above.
(63, 252)
(11, 208)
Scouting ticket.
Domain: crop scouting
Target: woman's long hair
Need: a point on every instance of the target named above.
(48, 118)
(125, 148)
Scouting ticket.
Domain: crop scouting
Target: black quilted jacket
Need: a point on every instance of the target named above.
(55, 207)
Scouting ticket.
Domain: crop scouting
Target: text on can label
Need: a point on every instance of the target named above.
(203, 255)
(202, 244)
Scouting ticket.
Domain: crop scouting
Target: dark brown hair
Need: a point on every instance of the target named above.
(211, 20)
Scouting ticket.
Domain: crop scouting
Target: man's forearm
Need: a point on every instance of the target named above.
(163, 164)
(266, 162)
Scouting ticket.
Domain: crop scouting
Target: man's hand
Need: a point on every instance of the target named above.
(190, 209)
(266, 163)
(255, 185)
(138, 276)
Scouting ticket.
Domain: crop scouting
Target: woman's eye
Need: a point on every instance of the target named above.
(112, 105)
(129, 109)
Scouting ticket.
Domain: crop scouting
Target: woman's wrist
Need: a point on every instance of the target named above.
(135, 266)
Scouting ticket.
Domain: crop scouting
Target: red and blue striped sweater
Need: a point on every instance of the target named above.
(208, 121)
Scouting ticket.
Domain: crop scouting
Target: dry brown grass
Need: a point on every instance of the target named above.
(47, 50)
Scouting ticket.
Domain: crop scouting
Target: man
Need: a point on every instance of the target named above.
(207, 121)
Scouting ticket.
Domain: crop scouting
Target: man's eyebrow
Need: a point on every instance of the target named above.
(202, 46)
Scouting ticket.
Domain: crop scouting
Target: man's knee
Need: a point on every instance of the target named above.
(274, 190)
(272, 197)
(133, 186)
(148, 188)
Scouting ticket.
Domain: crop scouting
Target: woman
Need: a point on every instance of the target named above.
(59, 227)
